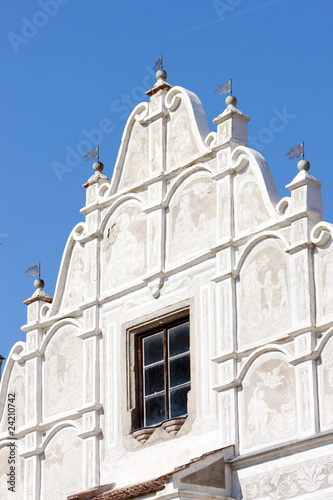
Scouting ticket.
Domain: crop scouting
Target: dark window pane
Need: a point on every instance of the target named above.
(154, 410)
(179, 370)
(179, 339)
(178, 402)
(152, 349)
(154, 379)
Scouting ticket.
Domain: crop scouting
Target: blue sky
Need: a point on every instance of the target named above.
(70, 67)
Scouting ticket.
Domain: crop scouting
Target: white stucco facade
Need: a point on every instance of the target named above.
(190, 226)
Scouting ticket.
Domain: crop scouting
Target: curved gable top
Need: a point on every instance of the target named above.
(161, 135)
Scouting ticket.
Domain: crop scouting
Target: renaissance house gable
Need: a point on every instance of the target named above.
(187, 350)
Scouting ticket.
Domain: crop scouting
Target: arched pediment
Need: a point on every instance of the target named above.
(264, 306)
(323, 264)
(71, 282)
(123, 245)
(271, 350)
(187, 127)
(58, 427)
(191, 216)
(158, 140)
(268, 401)
(14, 380)
(255, 192)
(62, 374)
(62, 464)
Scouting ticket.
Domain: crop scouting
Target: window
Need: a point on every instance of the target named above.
(163, 371)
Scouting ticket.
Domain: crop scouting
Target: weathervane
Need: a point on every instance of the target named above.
(296, 152)
(93, 154)
(159, 63)
(33, 271)
(225, 88)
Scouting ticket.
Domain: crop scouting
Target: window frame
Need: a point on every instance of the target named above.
(164, 327)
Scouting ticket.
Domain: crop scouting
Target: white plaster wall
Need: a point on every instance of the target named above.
(189, 220)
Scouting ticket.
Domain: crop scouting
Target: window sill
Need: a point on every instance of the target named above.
(171, 426)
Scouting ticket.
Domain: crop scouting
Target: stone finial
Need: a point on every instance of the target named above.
(98, 166)
(98, 175)
(39, 294)
(231, 100)
(231, 123)
(160, 85)
(305, 193)
(161, 74)
(303, 165)
(39, 283)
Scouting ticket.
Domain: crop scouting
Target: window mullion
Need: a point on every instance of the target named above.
(166, 372)
(141, 377)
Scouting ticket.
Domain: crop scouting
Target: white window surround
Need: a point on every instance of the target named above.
(132, 431)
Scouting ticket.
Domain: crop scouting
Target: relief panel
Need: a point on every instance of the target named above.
(181, 146)
(62, 465)
(251, 209)
(89, 372)
(228, 417)
(223, 228)
(16, 386)
(207, 398)
(225, 323)
(263, 294)
(31, 368)
(191, 219)
(308, 480)
(62, 372)
(268, 411)
(124, 247)
(136, 165)
(324, 282)
(305, 399)
(75, 280)
(301, 284)
(325, 369)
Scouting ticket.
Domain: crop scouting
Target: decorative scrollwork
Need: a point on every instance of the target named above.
(173, 99)
(79, 231)
(211, 140)
(283, 206)
(104, 190)
(240, 160)
(141, 112)
(321, 234)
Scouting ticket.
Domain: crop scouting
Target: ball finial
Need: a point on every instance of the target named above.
(161, 74)
(39, 283)
(231, 100)
(98, 166)
(303, 165)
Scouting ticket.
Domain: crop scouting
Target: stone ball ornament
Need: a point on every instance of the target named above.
(303, 165)
(231, 100)
(161, 74)
(98, 166)
(39, 283)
